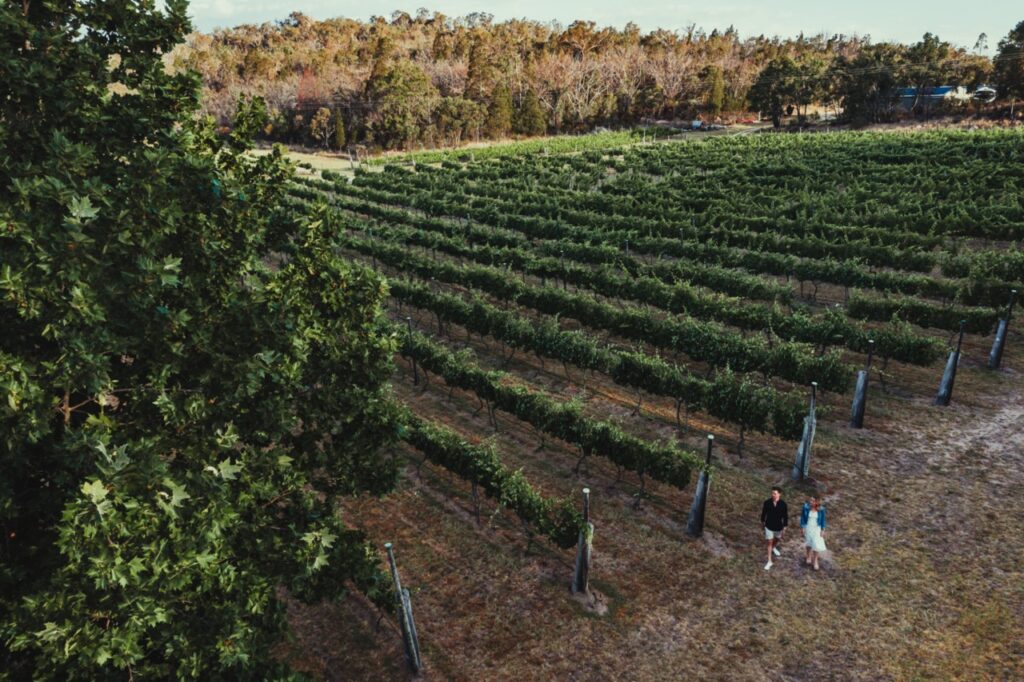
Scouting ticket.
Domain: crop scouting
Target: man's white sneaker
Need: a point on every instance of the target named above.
(776, 552)
(768, 566)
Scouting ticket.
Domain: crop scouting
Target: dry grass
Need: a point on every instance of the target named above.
(925, 579)
(319, 161)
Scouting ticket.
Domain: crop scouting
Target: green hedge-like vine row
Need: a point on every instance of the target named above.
(479, 463)
(1004, 268)
(562, 420)
(702, 341)
(449, 200)
(931, 184)
(899, 343)
(726, 396)
(622, 208)
(845, 272)
(979, 320)
(726, 280)
(896, 341)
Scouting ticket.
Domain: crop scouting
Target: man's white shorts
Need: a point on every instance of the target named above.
(772, 534)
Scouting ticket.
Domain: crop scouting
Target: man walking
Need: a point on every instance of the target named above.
(774, 519)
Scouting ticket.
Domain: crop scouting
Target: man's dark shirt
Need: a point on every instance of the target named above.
(774, 516)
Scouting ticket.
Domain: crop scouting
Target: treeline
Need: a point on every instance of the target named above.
(433, 80)
(867, 87)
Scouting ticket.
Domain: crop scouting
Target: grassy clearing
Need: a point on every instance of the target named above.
(555, 144)
(340, 163)
(319, 161)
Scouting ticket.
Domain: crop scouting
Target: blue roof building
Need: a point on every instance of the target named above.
(932, 95)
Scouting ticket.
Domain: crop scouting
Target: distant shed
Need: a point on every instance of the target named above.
(931, 96)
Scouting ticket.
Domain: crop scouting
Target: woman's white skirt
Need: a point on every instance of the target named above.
(813, 539)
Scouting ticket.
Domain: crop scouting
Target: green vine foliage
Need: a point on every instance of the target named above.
(187, 386)
(562, 420)
(703, 341)
(581, 246)
(494, 207)
(979, 320)
(556, 519)
(835, 264)
(778, 412)
(830, 328)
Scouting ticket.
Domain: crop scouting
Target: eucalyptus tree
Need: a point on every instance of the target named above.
(775, 88)
(1009, 64)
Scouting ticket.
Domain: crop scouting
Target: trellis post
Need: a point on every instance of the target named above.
(405, 619)
(949, 376)
(802, 465)
(995, 357)
(584, 548)
(695, 522)
(860, 396)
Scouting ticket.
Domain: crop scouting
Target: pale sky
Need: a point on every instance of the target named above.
(899, 20)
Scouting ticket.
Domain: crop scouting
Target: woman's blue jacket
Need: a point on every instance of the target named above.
(806, 512)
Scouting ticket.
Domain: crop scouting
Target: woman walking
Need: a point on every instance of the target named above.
(812, 520)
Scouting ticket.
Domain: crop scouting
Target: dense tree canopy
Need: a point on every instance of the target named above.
(578, 76)
(529, 118)
(189, 381)
(775, 88)
(499, 117)
(715, 89)
(867, 84)
(402, 101)
(1009, 63)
